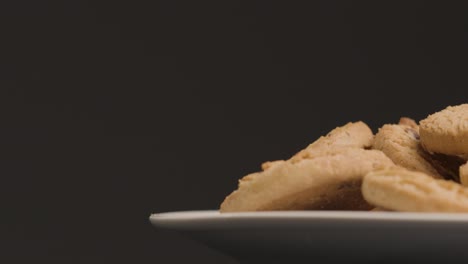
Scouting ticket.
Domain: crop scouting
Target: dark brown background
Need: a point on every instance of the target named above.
(113, 110)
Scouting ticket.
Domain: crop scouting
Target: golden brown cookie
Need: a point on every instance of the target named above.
(401, 144)
(446, 131)
(351, 135)
(400, 189)
(325, 182)
(464, 174)
(406, 121)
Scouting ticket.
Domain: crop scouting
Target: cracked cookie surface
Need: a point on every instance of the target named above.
(446, 131)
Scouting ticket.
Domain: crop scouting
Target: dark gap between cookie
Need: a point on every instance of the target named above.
(446, 165)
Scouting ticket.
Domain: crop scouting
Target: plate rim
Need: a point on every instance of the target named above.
(195, 218)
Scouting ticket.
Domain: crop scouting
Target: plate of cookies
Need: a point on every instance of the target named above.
(401, 193)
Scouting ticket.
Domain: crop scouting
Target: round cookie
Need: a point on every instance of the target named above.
(400, 189)
(401, 144)
(351, 135)
(446, 131)
(331, 182)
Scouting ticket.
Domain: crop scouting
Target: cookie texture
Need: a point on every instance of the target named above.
(446, 131)
(351, 135)
(464, 174)
(400, 142)
(406, 121)
(330, 182)
(400, 189)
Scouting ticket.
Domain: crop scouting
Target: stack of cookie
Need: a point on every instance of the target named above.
(404, 167)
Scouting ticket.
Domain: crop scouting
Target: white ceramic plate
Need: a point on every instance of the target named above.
(325, 236)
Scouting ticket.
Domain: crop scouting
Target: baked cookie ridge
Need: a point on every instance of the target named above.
(400, 142)
(401, 189)
(446, 131)
(322, 183)
(351, 135)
